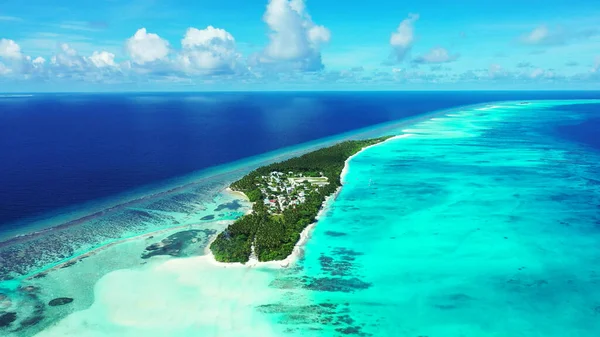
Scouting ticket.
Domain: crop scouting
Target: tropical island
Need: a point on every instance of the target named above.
(286, 197)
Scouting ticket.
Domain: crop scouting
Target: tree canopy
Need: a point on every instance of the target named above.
(274, 237)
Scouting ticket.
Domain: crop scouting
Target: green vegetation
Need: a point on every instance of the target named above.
(275, 235)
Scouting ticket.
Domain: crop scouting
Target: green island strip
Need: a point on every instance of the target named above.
(286, 197)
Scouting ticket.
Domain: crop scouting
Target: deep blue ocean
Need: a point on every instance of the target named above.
(59, 150)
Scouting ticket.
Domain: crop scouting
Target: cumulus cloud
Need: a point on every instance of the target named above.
(208, 51)
(435, 56)
(103, 59)
(67, 63)
(144, 47)
(295, 40)
(68, 58)
(15, 62)
(403, 38)
(39, 61)
(10, 50)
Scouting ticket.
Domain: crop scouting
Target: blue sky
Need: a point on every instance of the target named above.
(112, 45)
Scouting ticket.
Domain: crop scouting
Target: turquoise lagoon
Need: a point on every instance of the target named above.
(481, 222)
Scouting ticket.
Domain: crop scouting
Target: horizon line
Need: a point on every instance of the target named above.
(295, 90)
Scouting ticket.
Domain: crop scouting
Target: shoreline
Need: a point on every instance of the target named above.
(34, 227)
(237, 193)
(297, 251)
(305, 235)
(347, 162)
(296, 254)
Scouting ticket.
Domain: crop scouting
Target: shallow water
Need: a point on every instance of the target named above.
(481, 223)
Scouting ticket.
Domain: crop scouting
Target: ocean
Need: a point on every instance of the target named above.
(482, 220)
(60, 151)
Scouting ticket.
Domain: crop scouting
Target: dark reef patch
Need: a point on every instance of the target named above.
(233, 206)
(21, 257)
(60, 301)
(335, 268)
(29, 309)
(69, 264)
(453, 301)
(346, 252)
(6, 319)
(208, 217)
(31, 321)
(334, 317)
(340, 265)
(336, 284)
(335, 234)
(352, 330)
(179, 244)
(28, 289)
(294, 309)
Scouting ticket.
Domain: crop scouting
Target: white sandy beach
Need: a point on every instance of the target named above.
(237, 193)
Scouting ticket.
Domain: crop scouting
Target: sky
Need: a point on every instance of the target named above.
(185, 45)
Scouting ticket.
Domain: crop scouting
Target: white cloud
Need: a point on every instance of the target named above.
(403, 38)
(207, 37)
(103, 59)
(144, 47)
(208, 51)
(540, 35)
(3, 69)
(544, 36)
(68, 58)
(295, 40)
(10, 50)
(68, 64)
(436, 55)
(39, 60)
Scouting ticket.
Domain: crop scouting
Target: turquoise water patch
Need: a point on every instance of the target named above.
(479, 224)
